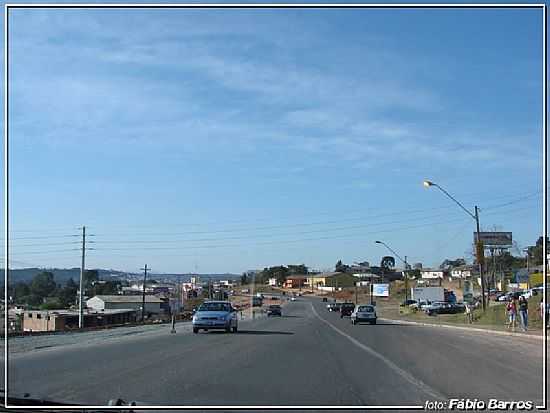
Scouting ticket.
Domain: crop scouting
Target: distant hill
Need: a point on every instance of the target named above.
(62, 275)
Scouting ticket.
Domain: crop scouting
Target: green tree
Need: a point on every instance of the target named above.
(340, 267)
(43, 284)
(244, 279)
(90, 277)
(297, 269)
(20, 290)
(67, 295)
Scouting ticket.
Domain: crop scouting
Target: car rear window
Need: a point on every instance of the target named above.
(215, 307)
(366, 309)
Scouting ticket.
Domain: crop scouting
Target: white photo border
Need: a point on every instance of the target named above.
(8, 6)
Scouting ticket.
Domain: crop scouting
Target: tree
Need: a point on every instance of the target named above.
(387, 264)
(298, 269)
(340, 267)
(20, 290)
(535, 252)
(448, 264)
(244, 279)
(90, 276)
(67, 295)
(43, 284)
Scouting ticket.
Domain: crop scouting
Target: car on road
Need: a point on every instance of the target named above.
(274, 309)
(334, 306)
(346, 309)
(292, 298)
(363, 313)
(215, 315)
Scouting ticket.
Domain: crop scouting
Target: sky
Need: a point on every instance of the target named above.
(228, 140)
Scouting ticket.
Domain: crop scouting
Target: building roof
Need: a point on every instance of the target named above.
(328, 274)
(128, 298)
(65, 312)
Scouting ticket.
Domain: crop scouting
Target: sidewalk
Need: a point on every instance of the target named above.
(480, 328)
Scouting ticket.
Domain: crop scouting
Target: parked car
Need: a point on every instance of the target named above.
(504, 297)
(364, 313)
(420, 305)
(346, 309)
(444, 308)
(212, 315)
(334, 306)
(292, 298)
(274, 309)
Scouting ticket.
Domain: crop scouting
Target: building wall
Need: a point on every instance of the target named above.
(149, 307)
(432, 274)
(34, 321)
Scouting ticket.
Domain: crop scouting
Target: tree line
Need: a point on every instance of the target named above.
(44, 293)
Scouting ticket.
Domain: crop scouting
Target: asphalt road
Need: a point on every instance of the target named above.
(307, 357)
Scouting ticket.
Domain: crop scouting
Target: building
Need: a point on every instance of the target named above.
(295, 281)
(129, 302)
(430, 274)
(462, 272)
(61, 320)
(272, 282)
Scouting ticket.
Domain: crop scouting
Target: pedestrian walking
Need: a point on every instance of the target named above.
(469, 313)
(523, 312)
(511, 312)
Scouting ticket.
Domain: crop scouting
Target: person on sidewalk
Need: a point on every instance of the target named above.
(511, 311)
(469, 313)
(523, 312)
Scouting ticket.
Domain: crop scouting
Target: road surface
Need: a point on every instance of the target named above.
(307, 357)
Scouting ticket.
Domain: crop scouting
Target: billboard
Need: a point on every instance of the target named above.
(381, 290)
(495, 239)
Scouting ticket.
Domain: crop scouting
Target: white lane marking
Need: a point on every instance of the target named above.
(404, 374)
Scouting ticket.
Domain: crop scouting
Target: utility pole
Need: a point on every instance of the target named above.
(82, 269)
(144, 269)
(480, 258)
(406, 279)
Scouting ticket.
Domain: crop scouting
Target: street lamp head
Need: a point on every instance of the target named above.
(427, 183)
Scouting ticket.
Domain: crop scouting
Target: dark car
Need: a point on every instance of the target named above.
(333, 306)
(274, 310)
(346, 309)
(324, 299)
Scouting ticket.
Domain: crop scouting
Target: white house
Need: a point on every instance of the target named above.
(432, 274)
(272, 282)
(461, 272)
(118, 302)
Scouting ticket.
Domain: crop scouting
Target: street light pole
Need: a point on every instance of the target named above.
(479, 246)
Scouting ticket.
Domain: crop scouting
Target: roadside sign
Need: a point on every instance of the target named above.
(495, 239)
(381, 290)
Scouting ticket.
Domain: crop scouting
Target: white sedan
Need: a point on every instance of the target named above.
(366, 313)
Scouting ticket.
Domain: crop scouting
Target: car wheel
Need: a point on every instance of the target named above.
(195, 330)
(373, 322)
(228, 329)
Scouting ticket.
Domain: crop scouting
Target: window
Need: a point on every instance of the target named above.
(39, 316)
(29, 315)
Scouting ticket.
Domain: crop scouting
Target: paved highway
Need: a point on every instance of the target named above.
(308, 357)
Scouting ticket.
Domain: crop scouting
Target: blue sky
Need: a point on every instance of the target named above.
(227, 140)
